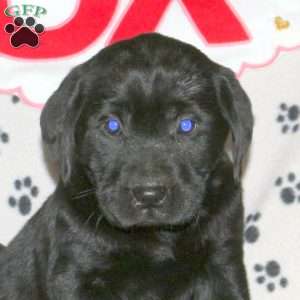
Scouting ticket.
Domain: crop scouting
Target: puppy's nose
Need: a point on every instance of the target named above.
(149, 196)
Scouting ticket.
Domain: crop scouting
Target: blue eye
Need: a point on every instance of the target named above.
(186, 126)
(113, 126)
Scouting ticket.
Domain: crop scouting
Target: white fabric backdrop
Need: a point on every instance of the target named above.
(271, 180)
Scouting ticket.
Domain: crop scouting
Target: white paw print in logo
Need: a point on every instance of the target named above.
(270, 275)
(289, 118)
(289, 188)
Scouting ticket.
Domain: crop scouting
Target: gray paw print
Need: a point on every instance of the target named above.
(4, 137)
(270, 275)
(251, 233)
(26, 191)
(290, 188)
(289, 117)
(15, 99)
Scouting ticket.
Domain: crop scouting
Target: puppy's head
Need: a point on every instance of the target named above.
(145, 122)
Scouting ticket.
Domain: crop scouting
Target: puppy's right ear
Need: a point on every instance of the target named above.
(236, 109)
(58, 120)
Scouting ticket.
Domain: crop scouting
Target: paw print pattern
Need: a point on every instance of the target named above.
(26, 191)
(289, 118)
(24, 33)
(251, 233)
(4, 137)
(15, 99)
(290, 188)
(270, 275)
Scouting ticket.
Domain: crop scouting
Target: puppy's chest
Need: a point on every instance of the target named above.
(138, 277)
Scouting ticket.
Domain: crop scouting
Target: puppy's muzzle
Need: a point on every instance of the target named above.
(149, 196)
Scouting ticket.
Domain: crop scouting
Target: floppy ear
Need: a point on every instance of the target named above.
(58, 121)
(236, 110)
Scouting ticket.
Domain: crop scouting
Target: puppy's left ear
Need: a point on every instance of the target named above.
(236, 110)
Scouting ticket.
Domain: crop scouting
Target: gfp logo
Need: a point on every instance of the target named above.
(24, 30)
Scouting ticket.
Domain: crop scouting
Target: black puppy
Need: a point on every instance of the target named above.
(148, 205)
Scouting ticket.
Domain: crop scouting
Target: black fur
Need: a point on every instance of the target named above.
(97, 237)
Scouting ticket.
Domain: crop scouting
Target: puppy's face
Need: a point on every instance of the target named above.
(147, 129)
(150, 148)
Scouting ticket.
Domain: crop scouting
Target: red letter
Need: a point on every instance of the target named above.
(216, 21)
(142, 16)
(213, 18)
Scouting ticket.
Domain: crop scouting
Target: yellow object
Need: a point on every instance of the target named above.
(281, 23)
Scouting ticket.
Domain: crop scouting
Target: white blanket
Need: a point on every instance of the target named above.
(268, 65)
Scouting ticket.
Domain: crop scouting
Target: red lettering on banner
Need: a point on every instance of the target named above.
(85, 27)
(216, 21)
(142, 16)
(213, 18)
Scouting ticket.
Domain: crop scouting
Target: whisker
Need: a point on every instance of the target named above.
(80, 196)
(87, 191)
(89, 218)
(84, 193)
(98, 221)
